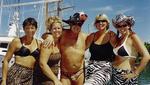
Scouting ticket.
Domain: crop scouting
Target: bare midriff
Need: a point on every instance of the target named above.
(123, 63)
(27, 61)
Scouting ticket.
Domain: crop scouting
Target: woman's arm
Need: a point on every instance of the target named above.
(7, 57)
(89, 40)
(113, 38)
(44, 57)
(143, 52)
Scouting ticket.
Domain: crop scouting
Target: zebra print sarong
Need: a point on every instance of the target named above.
(117, 78)
(19, 75)
(98, 73)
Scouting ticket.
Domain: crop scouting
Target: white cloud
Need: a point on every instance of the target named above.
(124, 10)
(103, 9)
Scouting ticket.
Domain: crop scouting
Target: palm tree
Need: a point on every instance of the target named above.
(147, 44)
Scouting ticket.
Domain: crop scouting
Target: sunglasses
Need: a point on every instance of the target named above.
(120, 26)
(77, 23)
(99, 21)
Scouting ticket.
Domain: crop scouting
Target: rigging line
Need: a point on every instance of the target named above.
(1, 10)
(9, 13)
(41, 24)
(28, 3)
(17, 19)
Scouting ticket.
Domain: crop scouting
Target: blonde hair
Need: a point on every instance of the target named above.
(50, 21)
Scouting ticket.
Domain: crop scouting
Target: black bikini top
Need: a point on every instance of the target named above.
(24, 51)
(123, 51)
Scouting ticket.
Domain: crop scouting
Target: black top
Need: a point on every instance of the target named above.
(24, 51)
(102, 52)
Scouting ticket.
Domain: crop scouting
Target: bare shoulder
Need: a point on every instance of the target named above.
(135, 38)
(139, 44)
(112, 38)
(111, 33)
(65, 31)
(15, 41)
(91, 36)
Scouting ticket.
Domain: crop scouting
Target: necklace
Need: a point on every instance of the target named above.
(27, 41)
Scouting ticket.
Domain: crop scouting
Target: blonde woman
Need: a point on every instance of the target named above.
(47, 70)
(100, 44)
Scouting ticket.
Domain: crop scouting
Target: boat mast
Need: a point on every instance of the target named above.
(46, 9)
(60, 9)
(27, 3)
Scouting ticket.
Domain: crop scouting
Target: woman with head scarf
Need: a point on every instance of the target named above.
(127, 48)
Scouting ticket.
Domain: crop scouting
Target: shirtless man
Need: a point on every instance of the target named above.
(72, 48)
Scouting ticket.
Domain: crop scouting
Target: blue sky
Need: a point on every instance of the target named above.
(137, 8)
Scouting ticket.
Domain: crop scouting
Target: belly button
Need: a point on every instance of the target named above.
(74, 66)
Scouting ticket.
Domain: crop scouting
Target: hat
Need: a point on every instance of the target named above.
(121, 18)
(77, 18)
(102, 17)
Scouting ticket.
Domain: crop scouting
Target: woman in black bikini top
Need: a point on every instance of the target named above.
(26, 51)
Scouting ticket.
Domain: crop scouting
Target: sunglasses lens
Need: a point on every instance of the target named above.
(98, 21)
(79, 24)
(120, 26)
